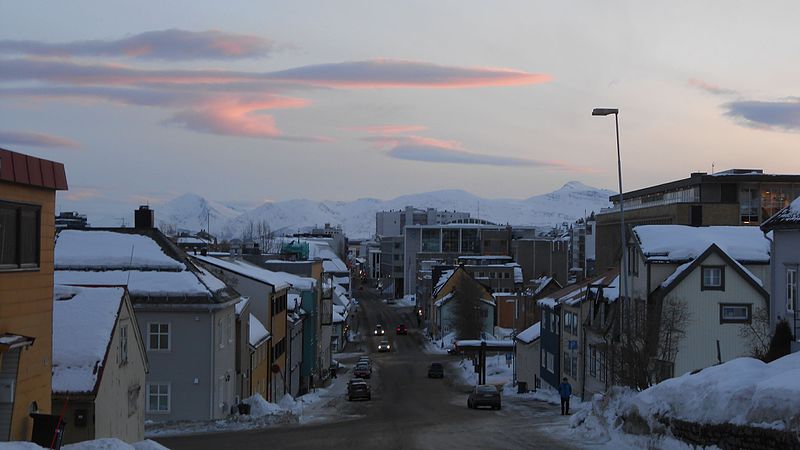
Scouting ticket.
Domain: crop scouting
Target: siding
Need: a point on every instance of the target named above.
(698, 349)
(26, 308)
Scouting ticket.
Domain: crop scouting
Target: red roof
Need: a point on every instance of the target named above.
(23, 169)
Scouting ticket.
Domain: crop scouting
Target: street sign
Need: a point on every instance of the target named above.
(573, 345)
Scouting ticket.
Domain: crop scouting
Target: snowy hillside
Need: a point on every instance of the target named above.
(192, 212)
(357, 217)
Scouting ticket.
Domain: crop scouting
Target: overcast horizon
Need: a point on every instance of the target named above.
(345, 101)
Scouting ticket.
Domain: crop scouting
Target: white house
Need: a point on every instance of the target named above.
(717, 277)
(99, 364)
(526, 355)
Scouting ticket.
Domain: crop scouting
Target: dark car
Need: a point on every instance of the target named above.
(358, 389)
(379, 331)
(362, 371)
(402, 329)
(484, 395)
(436, 370)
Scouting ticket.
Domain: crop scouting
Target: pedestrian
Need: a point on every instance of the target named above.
(333, 371)
(565, 390)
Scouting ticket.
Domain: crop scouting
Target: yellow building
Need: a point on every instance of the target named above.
(28, 188)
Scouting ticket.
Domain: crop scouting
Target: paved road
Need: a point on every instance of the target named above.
(407, 411)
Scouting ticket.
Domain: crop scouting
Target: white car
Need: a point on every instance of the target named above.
(384, 346)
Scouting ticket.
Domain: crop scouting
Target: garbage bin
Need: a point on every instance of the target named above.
(47, 431)
(522, 387)
(244, 409)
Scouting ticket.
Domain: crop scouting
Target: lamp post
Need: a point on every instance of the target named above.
(624, 246)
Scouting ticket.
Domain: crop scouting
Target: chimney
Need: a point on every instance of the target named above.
(144, 218)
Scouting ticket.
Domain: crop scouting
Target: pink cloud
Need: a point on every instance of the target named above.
(26, 138)
(710, 87)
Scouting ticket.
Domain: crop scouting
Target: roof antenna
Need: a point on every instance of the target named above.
(712, 167)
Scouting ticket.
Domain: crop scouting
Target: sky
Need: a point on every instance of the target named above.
(267, 101)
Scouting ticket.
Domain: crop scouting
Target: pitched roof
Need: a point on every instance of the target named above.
(788, 217)
(258, 332)
(246, 269)
(681, 243)
(153, 268)
(684, 270)
(576, 293)
(83, 325)
(530, 334)
(24, 169)
(443, 278)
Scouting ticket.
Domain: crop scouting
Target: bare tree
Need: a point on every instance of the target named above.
(170, 229)
(467, 309)
(757, 333)
(649, 338)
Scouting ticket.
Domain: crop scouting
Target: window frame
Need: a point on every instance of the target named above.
(706, 287)
(791, 289)
(747, 306)
(18, 265)
(168, 396)
(159, 333)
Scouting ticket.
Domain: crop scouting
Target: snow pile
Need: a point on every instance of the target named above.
(440, 346)
(498, 372)
(99, 444)
(83, 323)
(405, 302)
(260, 407)
(744, 391)
(108, 250)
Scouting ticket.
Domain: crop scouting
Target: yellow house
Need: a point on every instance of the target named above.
(28, 188)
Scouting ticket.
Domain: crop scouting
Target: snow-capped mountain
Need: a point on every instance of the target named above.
(193, 212)
(357, 218)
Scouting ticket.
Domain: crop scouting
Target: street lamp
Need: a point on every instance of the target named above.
(624, 245)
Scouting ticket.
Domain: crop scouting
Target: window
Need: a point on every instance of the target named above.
(123, 345)
(543, 354)
(133, 399)
(278, 305)
(431, 240)
(592, 360)
(19, 236)
(158, 336)
(158, 397)
(567, 366)
(713, 278)
(791, 289)
(278, 349)
(220, 334)
(574, 361)
(450, 240)
(735, 313)
(557, 319)
(550, 363)
(601, 365)
(633, 261)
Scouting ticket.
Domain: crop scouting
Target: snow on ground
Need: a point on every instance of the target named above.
(440, 346)
(498, 372)
(99, 444)
(407, 301)
(759, 395)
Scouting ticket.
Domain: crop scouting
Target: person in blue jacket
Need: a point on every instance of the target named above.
(565, 390)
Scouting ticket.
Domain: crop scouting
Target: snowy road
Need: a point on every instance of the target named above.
(407, 411)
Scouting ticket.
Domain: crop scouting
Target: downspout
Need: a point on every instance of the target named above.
(772, 283)
(213, 363)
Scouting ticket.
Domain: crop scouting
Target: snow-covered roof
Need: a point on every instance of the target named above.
(337, 318)
(541, 283)
(442, 300)
(110, 250)
(687, 266)
(442, 281)
(140, 283)
(531, 333)
(680, 243)
(788, 216)
(298, 282)
(258, 333)
(191, 240)
(574, 294)
(83, 325)
(476, 343)
(249, 270)
(239, 307)
(518, 278)
(341, 280)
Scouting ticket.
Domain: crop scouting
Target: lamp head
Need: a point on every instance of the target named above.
(604, 111)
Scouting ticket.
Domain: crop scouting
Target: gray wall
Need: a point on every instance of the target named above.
(785, 255)
(195, 366)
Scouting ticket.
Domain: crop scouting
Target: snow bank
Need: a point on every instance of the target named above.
(260, 407)
(744, 391)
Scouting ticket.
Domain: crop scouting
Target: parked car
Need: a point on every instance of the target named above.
(379, 331)
(358, 389)
(436, 370)
(384, 346)
(484, 395)
(362, 371)
(452, 351)
(402, 329)
(365, 360)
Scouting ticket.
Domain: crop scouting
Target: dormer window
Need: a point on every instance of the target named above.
(713, 278)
